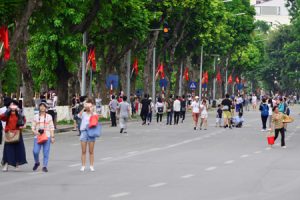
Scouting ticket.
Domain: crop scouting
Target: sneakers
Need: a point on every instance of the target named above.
(36, 166)
(82, 168)
(121, 131)
(194, 128)
(92, 168)
(284, 147)
(5, 167)
(45, 169)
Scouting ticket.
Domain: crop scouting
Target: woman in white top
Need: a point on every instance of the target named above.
(159, 108)
(85, 139)
(270, 104)
(195, 106)
(42, 124)
(204, 115)
(124, 113)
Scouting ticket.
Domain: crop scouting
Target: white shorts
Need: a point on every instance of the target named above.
(204, 115)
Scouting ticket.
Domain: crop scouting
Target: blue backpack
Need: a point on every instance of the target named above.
(265, 110)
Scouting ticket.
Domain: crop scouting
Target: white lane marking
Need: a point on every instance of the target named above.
(257, 152)
(268, 148)
(157, 185)
(154, 149)
(229, 162)
(187, 176)
(77, 144)
(75, 165)
(206, 136)
(107, 158)
(244, 156)
(120, 195)
(116, 137)
(132, 152)
(210, 168)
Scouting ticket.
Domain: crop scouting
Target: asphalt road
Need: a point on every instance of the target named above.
(166, 163)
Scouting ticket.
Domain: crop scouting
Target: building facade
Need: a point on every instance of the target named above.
(272, 11)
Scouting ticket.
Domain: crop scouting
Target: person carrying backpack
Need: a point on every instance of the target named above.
(264, 109)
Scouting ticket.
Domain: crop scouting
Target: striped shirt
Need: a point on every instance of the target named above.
(40, 122)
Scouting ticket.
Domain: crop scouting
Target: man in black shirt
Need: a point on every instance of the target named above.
(226, 105)
(145, 108)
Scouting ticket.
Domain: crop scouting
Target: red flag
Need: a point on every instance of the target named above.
(230, 79)
(4, 39)
(237, 80)
(92, 58)
(186, 74)
(206, 77)
(160, 71)
(135, 66)
(219, 79)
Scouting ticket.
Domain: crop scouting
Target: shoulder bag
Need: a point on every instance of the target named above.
(12, 136)
(95, 131)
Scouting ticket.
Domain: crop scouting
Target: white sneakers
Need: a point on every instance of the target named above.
(91, 168)
(82, 168)
(5, 168)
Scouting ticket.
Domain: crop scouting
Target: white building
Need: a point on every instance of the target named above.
(271, 11)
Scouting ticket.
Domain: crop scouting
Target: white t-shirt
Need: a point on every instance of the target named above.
(203, 109)
(254, 99)
(176, 105)
(2, 111)
(270, 109)
(195, 107)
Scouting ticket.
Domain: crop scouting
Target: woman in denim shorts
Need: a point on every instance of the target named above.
(86, 140)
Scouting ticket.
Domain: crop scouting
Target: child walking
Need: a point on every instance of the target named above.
(219, 116)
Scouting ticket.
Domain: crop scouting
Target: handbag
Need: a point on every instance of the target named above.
(21, 120)
(12, 136)
(42, 138)
(95, 131)
(93, 121)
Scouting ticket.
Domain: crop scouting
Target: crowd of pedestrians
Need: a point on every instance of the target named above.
(274, 112)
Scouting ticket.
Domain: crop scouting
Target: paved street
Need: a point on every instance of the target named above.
(166, 163)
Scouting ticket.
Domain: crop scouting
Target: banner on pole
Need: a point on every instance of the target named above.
(112, 80)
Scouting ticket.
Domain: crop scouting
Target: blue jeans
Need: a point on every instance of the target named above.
(169, 117)
(46, 150)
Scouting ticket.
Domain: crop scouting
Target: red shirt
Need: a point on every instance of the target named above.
(11, 123)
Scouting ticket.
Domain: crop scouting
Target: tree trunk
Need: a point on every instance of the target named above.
(123, 73)
(63, 76)
(21, 59)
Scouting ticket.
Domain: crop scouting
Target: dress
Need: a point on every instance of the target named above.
(13, 154)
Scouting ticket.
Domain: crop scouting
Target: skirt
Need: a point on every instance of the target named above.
(14, 154)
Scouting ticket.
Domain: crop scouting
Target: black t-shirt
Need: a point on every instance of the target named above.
(219, 111)
(183, 105)
(145, 105)
(227, 103)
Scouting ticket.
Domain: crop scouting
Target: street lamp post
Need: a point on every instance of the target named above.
(180, 79)
(200, 78)
(153, 74)
(128, 73)
(83, 63)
